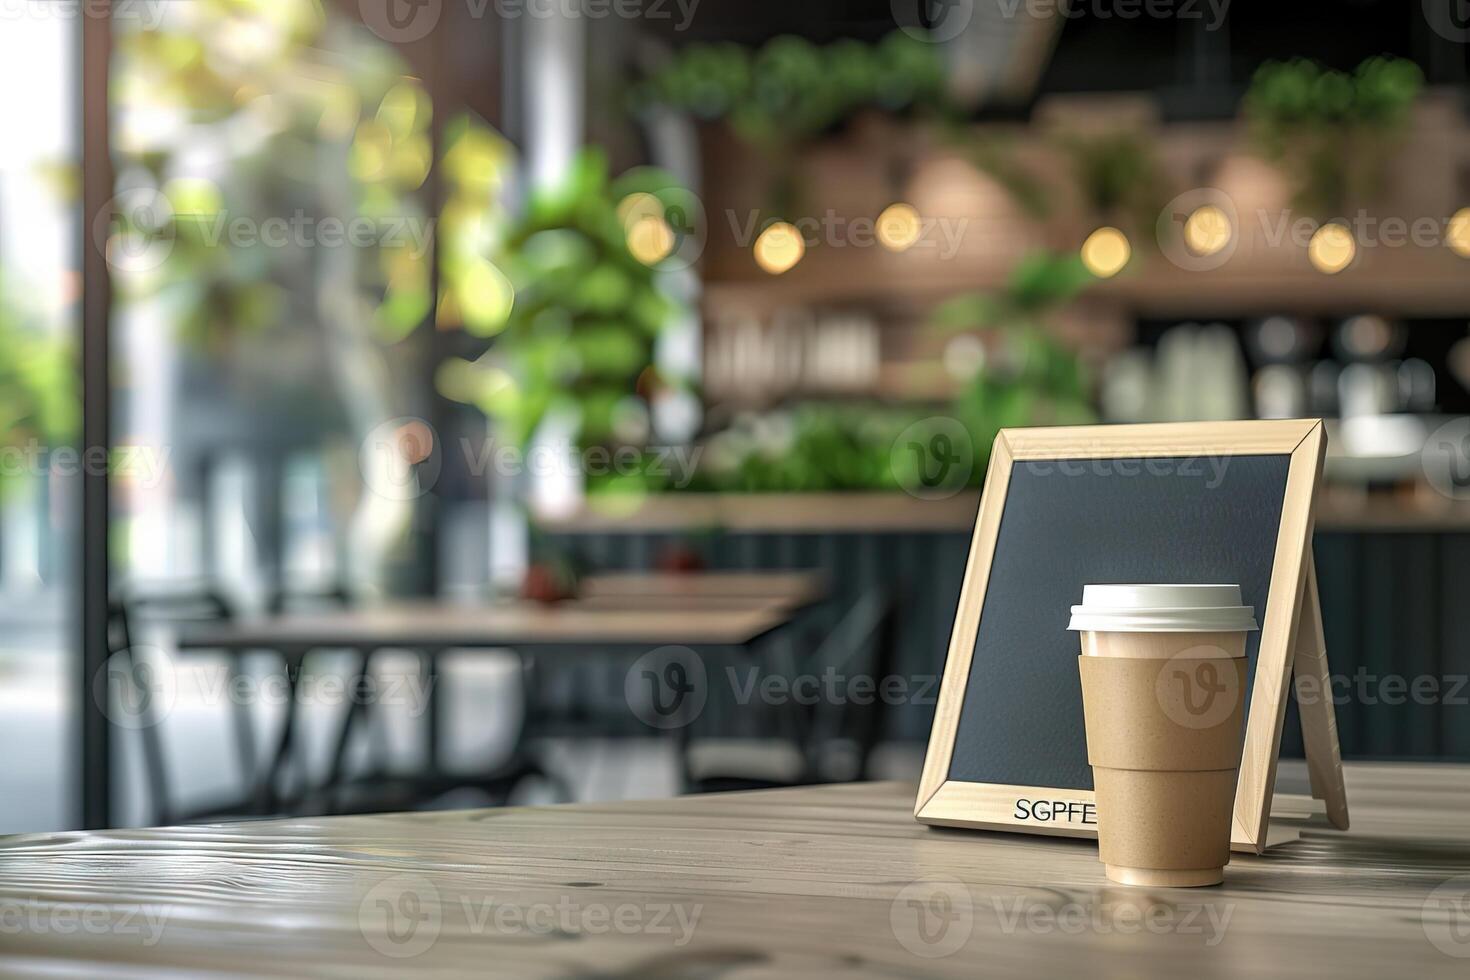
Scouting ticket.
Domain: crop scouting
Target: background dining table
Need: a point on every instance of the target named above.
(718, 615)
(813, 882)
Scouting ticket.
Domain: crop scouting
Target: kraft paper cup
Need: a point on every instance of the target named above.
(1163, 697)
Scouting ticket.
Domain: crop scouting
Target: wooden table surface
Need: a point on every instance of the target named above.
(797, 587)
(698, 608)
(521, 624)
(819, 882)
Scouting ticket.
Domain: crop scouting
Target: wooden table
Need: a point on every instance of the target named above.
(720, 614)
(615, 610)
(441, 626)
(819, 882)
(795, 588)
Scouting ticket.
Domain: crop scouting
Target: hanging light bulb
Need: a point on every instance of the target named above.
(1457, 234)
(1332, 248)
(1106, 252)
(899, 226)
(779, 248)
(650, 240)
(1207, 230)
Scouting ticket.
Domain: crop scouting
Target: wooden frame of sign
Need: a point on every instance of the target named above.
(1290, 638)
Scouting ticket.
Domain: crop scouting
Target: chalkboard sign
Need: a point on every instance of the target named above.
(1066, 507)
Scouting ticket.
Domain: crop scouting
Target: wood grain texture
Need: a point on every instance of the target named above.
(962, 637)
(802, 513)
(1279, 635)
(1314, 700)
(1160, 439)
(439, 625)
(701, 587)
(818, 882)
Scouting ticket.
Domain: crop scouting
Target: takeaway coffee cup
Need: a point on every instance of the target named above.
(1163, 697)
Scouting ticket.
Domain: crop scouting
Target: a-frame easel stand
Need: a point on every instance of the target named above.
(1313, 687)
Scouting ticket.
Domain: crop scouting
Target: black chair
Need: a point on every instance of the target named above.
(139, 670)
(380, 790)
(831, 740)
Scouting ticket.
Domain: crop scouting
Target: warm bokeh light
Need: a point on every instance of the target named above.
(1367, 336)
(1457, 234)
(637, 206)
(650, 239)
(414, 442)
(779, 248)
(1332, 248)
(1106, 252)
(899, 226)
(1207, 230)
(486, 297)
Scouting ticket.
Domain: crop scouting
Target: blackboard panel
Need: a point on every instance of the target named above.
(1068, 523)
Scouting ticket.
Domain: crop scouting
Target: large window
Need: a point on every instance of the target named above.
(39, 293)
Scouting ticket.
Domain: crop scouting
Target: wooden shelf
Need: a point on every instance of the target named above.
(889, 513)
(775, 512)
(985, 231)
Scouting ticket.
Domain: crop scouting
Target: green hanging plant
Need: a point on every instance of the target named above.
(1331, 132)
(789, 92)
(789, 89)
(583, 311)
(1117, 176)
(1031, 378)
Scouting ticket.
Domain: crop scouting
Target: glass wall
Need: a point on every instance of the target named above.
(39, 296)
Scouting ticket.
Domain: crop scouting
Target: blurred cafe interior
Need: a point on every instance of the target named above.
(396, 398)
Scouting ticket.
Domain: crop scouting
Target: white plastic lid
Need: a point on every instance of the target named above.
(1162, 609)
